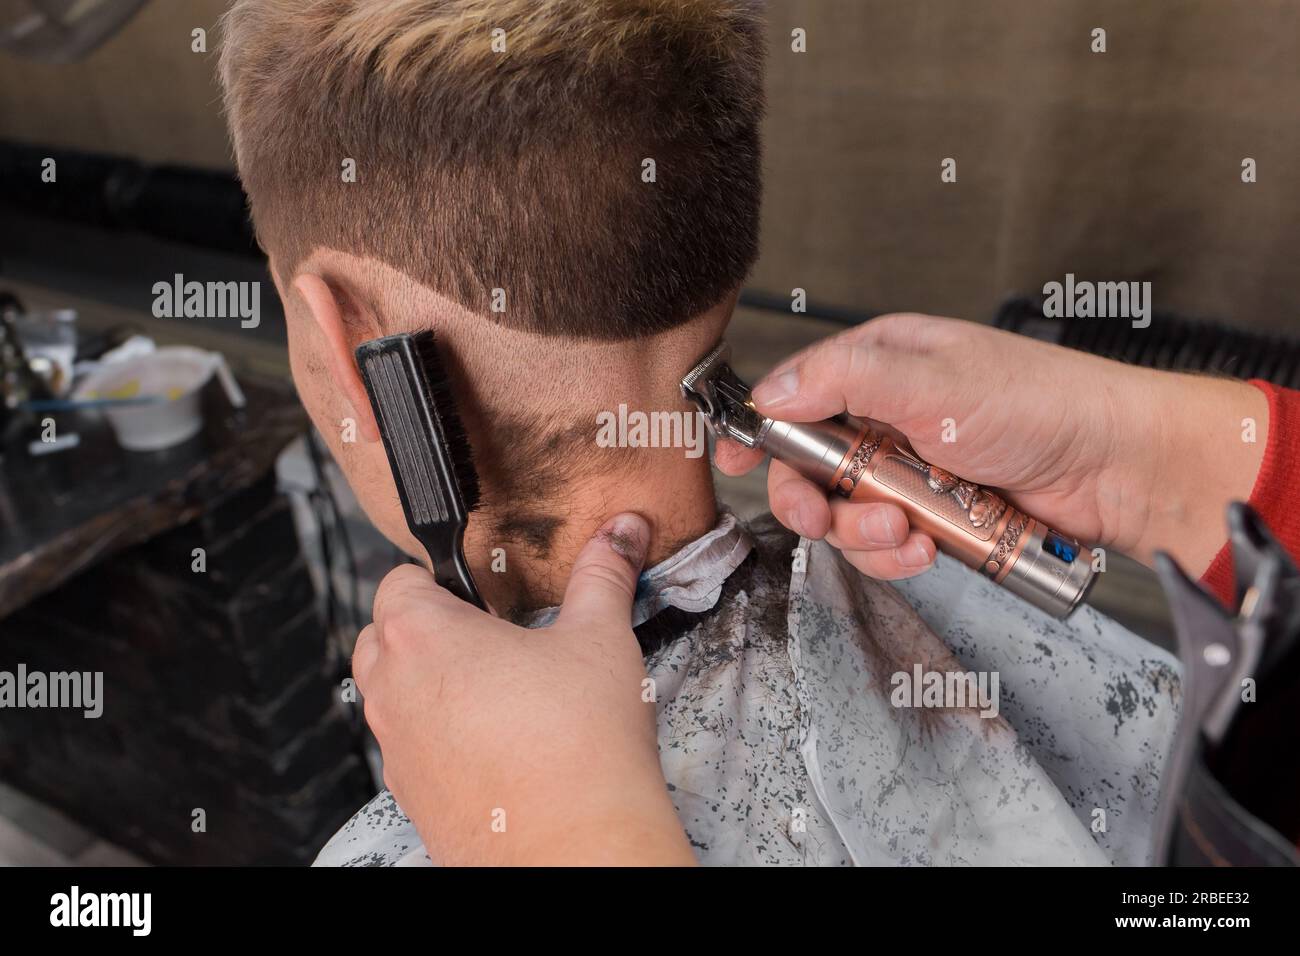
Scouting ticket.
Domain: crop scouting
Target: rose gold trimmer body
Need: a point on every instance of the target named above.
(860, 462)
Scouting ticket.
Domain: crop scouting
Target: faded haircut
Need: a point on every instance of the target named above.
(523, 170)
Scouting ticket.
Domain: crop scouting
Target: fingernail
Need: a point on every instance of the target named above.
(777, 389)
(876, 528)
(628, 534)
(912, 555)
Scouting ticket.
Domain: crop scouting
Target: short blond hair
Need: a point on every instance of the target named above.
(522, 170)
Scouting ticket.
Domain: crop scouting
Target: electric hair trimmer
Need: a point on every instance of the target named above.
(860, 462)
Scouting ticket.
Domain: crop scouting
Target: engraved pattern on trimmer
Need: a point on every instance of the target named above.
(858, 465)
(958, 502)
(1006, 545)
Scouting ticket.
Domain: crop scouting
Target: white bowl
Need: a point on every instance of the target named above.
(173, 377)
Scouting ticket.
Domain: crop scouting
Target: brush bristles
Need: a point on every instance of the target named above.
(456, 447)
(411, 446)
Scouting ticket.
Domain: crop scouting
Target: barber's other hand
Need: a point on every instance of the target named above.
(1119, 456)
(513, 746)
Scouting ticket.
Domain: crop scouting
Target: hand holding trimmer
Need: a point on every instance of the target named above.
(859, 461)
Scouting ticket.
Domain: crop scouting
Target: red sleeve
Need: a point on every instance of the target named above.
(1277, 486)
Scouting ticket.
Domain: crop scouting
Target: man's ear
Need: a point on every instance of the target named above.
(326, 308)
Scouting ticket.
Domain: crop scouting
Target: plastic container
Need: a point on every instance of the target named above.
(50, 341)
(161, 395)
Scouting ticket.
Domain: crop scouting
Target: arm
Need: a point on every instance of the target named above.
(1121, 457)
(1276, 488)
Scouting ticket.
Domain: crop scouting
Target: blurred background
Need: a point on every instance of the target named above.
(1123, 165)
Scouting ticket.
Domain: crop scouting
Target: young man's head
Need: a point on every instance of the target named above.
(565, 191)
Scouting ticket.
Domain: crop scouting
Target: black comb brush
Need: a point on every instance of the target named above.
(427, 450)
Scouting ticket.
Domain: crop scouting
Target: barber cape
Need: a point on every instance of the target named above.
(788, 736)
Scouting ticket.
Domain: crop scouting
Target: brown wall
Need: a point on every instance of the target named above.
(143, 93)
(1122, 165)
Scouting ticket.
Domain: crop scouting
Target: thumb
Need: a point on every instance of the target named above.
(602, 585)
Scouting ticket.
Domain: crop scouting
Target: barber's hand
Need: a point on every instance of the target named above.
(1119, 456)
(507, 745)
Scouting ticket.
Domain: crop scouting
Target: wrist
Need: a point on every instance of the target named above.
(595, 816)
(612, 816)
(633, 833)
(1207, 442)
